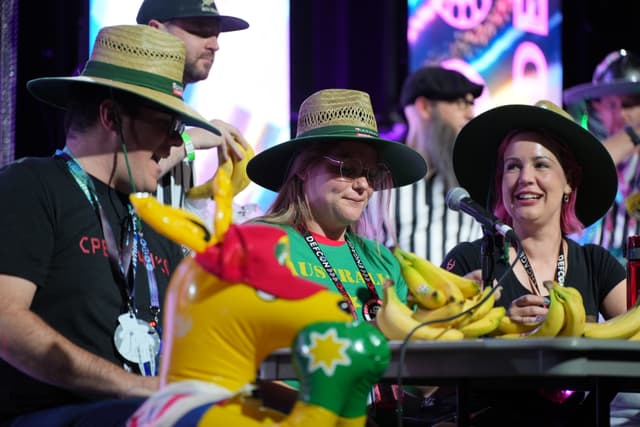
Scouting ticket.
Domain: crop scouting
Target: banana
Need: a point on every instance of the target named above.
(508, 326)
(468, 287)
(574, 313)
(444, 312)
(239, 178)
(432, 274)
(635, 337)
(395, 321)
(622, 326)
(553, 321)
(485, 325)
(236, 169)
(481, 310)
(425, 295)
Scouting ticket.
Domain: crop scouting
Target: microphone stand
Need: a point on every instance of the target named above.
(487, 251)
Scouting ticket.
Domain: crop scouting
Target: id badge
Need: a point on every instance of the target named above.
(370, 309)
(137, 342)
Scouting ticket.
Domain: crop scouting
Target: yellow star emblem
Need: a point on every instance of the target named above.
(326, 351)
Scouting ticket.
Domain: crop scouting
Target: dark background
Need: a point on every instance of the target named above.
(358, 44)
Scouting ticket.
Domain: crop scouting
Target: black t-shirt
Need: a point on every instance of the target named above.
(590, 269)
(51, 236)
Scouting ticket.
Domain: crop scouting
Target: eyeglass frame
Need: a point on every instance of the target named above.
(363, 172)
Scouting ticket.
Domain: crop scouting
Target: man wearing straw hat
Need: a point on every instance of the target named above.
(81, 276)
(198, 24)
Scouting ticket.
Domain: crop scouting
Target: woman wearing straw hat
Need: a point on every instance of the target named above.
(81, 277)
(546, 177)
(325, 178)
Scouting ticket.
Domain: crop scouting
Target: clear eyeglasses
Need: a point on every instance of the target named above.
(378, 177)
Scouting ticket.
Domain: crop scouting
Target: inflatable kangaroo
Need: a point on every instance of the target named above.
(233, 303)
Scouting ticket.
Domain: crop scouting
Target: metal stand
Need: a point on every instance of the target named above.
(488, 260)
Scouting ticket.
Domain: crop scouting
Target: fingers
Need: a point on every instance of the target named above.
(528, 309)
(529, 300)
(232, 139)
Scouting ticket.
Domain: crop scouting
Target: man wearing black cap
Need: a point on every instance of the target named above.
(610, 107)
(198, 23)
(437, 103)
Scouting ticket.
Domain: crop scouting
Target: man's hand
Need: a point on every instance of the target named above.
(32, 346)
(230, 144)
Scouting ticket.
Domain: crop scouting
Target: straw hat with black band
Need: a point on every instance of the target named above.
(165, 10)
(137, 59)
(336, 115)
(475, 154)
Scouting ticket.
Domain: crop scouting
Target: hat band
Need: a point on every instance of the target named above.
(134, 77)
(340, 130)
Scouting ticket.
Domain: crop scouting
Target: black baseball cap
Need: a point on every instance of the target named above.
(437, 83)
(165, 10)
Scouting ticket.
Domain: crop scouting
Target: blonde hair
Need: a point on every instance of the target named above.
(291, 205)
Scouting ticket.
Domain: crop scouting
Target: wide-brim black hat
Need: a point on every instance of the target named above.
(165, 10)
(475, 154)
(336, 115)
(617, 74)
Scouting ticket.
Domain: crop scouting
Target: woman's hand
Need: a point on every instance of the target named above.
(528, 309)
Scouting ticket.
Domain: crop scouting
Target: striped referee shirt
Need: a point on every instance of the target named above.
(425, 225)
(173, 185)
(612, 231)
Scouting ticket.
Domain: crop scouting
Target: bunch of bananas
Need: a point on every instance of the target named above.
(623, 326)
(449, 307)
(565, 317)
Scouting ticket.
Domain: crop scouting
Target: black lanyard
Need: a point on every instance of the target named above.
(560, 269)
(124, 264)
(371, 307)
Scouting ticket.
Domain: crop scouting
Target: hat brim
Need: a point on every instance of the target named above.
(270, 167)
(55, 91)
(589, 90)
(231, 23)
(476, 149)
(225, 23)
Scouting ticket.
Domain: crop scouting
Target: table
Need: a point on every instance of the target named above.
(602, 367)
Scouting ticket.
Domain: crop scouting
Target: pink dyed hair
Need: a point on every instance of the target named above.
(569, 222)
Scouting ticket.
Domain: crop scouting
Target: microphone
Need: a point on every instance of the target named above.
(458, 199)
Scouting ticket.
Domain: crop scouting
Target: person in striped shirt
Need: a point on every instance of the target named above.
(437, 103)
(198, 24)
(609, 106)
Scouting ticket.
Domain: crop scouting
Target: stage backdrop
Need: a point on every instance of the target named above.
(513, 47)
(249, 83)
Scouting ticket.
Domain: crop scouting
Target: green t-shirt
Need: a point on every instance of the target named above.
(377, 259)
